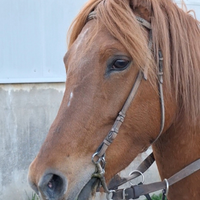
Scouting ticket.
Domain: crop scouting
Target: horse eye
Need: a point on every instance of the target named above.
(120, 64)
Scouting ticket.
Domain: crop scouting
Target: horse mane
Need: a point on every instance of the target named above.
(174, 31)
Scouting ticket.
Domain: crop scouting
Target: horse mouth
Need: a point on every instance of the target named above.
(89, 190)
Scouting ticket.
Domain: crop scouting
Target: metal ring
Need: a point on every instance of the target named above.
(167, 186)
(137, 171)
(99, 158)
(108, 195)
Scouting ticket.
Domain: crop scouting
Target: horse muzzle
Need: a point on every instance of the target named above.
(52, 186)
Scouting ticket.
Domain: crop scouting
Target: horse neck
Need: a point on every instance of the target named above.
(176, 148)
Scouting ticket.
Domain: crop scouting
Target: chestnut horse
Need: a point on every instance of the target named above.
(109, 46)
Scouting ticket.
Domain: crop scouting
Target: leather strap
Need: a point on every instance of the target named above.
(143, 22)
(120, 118)
(118, 181)
(162, 103)
(92, 15)
(136, 191)
(100, 152)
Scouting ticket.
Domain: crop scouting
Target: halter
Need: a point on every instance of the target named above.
(98, 157)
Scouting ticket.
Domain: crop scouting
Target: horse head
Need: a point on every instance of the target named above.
(109, 47)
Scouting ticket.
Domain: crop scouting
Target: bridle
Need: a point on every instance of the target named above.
(98, 158)
(120, 118)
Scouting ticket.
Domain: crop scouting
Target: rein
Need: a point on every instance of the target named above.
(98, 158)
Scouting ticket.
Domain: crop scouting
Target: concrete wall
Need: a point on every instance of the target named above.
(26, 113)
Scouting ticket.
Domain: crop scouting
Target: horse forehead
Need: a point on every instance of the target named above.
(93, 45)
(81, 38)
(94, 38)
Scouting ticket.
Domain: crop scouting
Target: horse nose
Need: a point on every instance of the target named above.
(51, 186)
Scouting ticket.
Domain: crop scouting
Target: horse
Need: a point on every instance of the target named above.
(113, 45)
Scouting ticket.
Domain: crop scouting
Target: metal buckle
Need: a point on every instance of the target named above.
(124, 195)
(100, 172)
(109, 194)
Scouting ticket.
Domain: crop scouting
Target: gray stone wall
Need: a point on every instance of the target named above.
(26, 113)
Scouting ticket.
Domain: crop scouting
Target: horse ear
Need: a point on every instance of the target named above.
(142, 8)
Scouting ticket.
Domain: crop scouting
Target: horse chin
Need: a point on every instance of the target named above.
(89, 190)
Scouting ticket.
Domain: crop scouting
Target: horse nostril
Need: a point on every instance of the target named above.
(52, 186)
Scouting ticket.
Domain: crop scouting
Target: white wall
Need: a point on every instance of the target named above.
(33, 39)
(192, 5)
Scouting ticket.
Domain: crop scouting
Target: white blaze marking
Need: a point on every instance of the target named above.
(70, 98)
(77, 44)
(81, 37)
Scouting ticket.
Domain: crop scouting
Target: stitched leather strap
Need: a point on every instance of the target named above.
(143, 22)
(120, 118)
